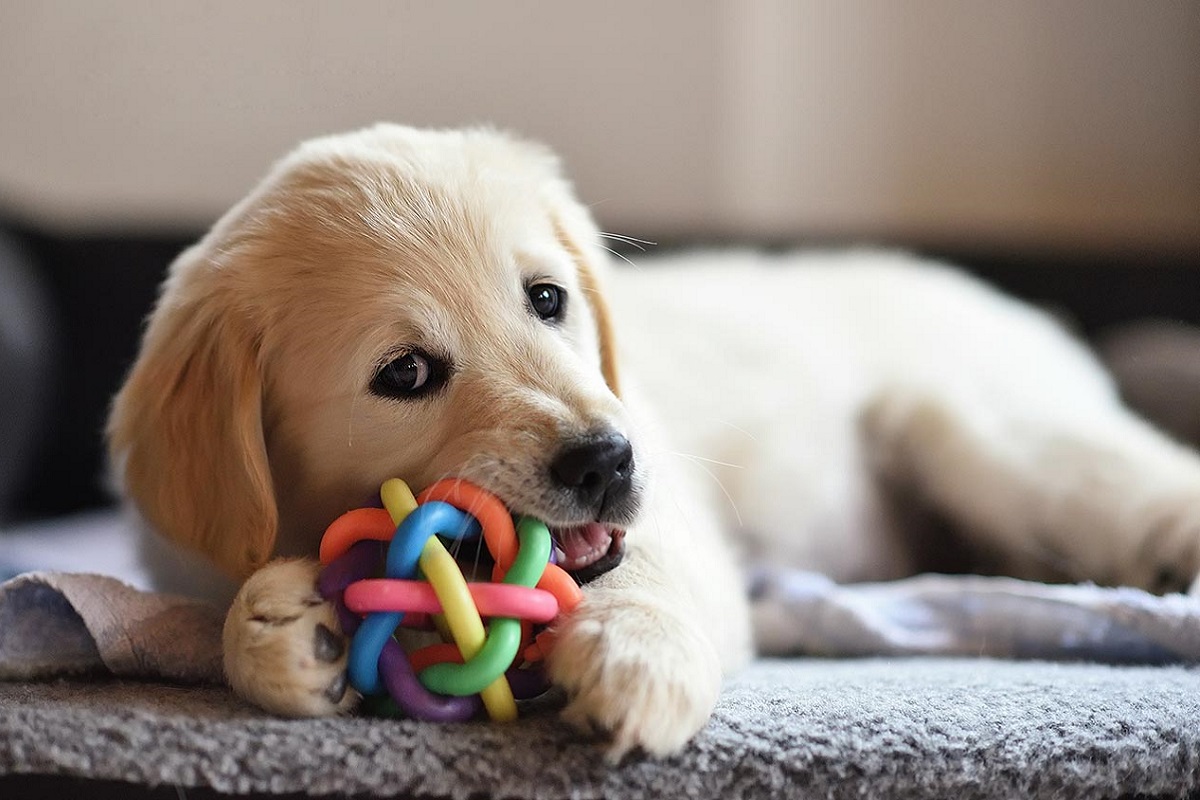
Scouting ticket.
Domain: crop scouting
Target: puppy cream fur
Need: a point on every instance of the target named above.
(777, 407)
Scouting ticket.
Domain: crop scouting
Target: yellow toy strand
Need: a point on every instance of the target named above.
(461, 615)
(397, 499)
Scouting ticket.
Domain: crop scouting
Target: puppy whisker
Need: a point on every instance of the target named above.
(733, 505)
(737, 428)
(618, 255)
(350, 421)
(478, 553)
(456, 544)
(695, 457)
(629, 240)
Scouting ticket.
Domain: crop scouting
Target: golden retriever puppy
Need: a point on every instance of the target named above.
(398, 302)
(418, 304)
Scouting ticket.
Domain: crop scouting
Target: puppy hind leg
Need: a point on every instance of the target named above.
(1099, 495)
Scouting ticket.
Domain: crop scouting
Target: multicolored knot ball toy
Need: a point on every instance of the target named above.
(476, 665)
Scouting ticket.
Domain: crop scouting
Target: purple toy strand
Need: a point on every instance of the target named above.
(527, 683)
(417, 701)
(355, 564)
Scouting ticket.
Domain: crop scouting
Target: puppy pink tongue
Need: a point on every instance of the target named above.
(582, 544)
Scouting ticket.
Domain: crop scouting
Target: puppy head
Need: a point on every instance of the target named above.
(391, 302)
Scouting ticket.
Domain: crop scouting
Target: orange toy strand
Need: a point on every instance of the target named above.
(353, 527)
(557, 582)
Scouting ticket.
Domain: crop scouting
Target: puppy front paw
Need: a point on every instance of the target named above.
(283, 648)
(637, 668)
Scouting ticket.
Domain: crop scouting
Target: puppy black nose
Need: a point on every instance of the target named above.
(596, 470)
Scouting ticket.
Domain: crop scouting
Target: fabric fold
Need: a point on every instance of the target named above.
(806, 613)
(55, 624)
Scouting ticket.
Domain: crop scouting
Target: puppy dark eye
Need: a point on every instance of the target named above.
(411, 375)
(548, 301)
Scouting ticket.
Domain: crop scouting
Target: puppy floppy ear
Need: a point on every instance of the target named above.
(593, 291)
(604, 327)
(186, 433)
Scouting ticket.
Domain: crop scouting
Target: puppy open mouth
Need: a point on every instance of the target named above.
(589, 550)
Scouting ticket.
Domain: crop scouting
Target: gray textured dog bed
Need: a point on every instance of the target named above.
(931, 727)
(925, 727)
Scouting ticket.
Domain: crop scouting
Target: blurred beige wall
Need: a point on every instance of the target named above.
(1074, 123)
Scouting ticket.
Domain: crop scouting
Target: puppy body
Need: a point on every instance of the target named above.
(837, 401)
(764, 370)
(775, 409)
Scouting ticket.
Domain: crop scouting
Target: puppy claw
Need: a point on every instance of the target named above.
(623, 742)
(577, 717)
(329, 646)
(337, 689)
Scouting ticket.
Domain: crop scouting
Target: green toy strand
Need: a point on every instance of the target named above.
(504, 633)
